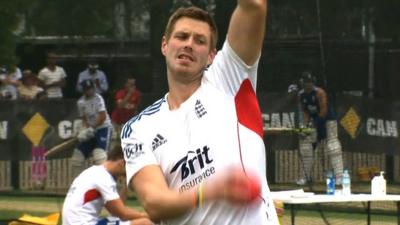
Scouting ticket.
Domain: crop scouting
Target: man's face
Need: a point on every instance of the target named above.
(188, 52)
(92, 68)
(130, 83)
(308, 86)
(88, 92)
(51, 59)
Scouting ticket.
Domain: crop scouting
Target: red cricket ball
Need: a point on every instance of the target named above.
(254, 187)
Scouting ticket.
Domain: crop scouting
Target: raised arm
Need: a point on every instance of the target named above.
(247, 28)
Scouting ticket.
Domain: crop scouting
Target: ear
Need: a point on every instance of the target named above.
(164, 45)
(211, 56)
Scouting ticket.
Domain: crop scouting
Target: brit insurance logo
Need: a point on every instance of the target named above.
(194, 163)
(199, 109)
(158, 141)
(133, 151)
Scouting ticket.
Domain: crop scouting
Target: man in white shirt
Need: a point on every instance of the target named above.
(7, 90)
(95, 188)
(97, 76)
(192, 157)
(96, 132)
(52, 77)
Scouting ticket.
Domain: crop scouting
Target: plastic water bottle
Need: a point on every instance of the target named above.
(346, 183)
(330, 183)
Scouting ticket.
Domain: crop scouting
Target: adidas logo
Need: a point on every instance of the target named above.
(199, 109)
(158, 141)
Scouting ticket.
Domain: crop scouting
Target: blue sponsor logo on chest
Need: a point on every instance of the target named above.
(188, 166)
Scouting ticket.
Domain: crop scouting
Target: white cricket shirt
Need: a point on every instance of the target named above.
(49, 77)
(87, 195)
(219, 126)
(90, 107)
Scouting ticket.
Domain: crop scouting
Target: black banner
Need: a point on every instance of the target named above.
(279, 110)
(364, 125)
(367, 125)
(28, 124)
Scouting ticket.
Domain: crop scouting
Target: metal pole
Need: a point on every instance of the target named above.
(369, 213)
(371, 58)
(292, 213)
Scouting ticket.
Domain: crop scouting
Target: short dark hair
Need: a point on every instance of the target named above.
(87, 84)
(307, 76)
(195, 13)
(51, 54)
(115, 153)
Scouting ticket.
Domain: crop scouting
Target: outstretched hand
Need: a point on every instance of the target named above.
(236, 186)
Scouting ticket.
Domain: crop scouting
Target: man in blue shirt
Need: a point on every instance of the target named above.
(318, 113)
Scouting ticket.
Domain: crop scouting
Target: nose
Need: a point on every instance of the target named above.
(189, 43)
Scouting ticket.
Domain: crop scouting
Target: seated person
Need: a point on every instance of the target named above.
(95, 188)
(7, 91)
(29, 88)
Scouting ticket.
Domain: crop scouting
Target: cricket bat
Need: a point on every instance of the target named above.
(61, 147)
(305, 130)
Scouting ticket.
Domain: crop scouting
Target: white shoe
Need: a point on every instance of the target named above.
(301, 181)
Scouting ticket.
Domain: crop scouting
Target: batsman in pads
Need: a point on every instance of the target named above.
(319, 112)
(197, 156)
(95, 135)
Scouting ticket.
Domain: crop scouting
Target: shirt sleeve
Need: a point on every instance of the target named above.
(101, 106)
(63, 74)
(108, 189)
(228, 71)
(41, 75)
(103, 82)
(119, 95)
(137, 154)
(80, 108)
(78, 83)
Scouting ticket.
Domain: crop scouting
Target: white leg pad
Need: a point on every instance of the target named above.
(77, 162)
(306, 152)
(98, 156)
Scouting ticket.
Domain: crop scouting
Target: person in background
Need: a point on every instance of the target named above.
(7, 90)
(97, 76)
(95, 135)
(29, 89)
(96, 188)
(127, 101)
(14, 76)
(319, 114)
(52, 77)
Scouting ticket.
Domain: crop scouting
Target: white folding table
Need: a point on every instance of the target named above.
(299, 197)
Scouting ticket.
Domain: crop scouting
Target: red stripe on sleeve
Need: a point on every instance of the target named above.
(247, 108)
(91, 195)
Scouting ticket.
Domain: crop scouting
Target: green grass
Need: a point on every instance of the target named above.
(10, 210)
(304, 215)
(337, 217)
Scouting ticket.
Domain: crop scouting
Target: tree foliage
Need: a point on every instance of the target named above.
(286, 18)
(10, 18)
(340, 18)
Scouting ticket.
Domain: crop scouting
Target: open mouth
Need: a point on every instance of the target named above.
(185, 57)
